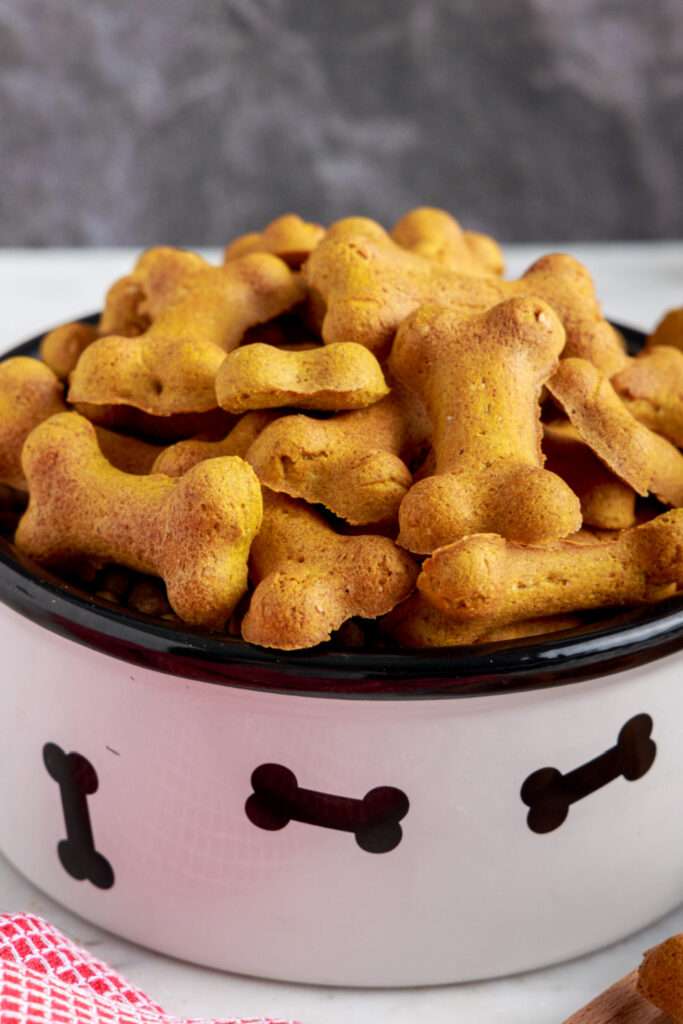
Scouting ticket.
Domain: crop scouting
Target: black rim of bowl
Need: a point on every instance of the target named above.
(614, 642)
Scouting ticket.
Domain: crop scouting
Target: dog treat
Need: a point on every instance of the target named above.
(289, 237)
(480, 377)
(197, 316)
(194, 532)
(415, 623)
(113, 584)
(363, 285)
(353, 464)
(124, 309)
(438, 236)
(130, 454)
(332, 377)
(660, 977)
(643, 459)
(669, 330)
(262, 447)
(122, 314)
(160, 273)
(651, 387)
(163, 429)
(309, 579)
(29, 394)
(61, 348)
(178, 458)
(606, 501)
(487, 578)
(147, 597)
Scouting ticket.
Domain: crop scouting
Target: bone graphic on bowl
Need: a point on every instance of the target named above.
(374, 820)
(549, 794)
(77, 780)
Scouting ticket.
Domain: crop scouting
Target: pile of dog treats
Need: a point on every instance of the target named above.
(345, 425)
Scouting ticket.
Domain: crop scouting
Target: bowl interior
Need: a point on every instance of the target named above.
(605, 643)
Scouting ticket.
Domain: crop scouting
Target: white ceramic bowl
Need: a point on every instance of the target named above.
(341, 817)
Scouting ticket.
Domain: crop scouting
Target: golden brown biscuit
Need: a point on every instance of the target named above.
(194, 532)
(416, 623)
(289, 237)
(669, 330)
(480, 378)
(62, 347)
(486, 578)
(165, 429)
(29, 394)
(309, 579)
(643, 459)
(123, 314)
(329, 377)
(438, 236)
(130, 454)
(197, 316)
(363, 285)
(178, 458)
(124, 307)
(651, 387)
(660, 977)
(148, 597)
(352, 464)
(606, 501)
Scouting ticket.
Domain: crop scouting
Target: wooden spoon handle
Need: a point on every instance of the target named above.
(620, 1004)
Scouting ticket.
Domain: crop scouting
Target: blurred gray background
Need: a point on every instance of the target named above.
(187, 121)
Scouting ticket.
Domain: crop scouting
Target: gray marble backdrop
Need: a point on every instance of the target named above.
(186, 121)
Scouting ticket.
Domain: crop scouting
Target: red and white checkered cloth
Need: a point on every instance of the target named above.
(46, 979)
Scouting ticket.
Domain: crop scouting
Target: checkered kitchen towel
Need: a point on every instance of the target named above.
(46, 979)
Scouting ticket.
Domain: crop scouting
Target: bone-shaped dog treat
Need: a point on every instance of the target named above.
(353, 464)
(606, 501)
(124, 308)
(62, 347)
(197, 318)
(29, 394)
(363, 285)
(310, 580)
(438, 236)
(147, 597)
(669, 330)
(651, 387)
(178, 458)
(480, 378)
(77, 780)
(159, 275)
(660, 978)
(549, 794)
(332, 377)
(194, 532)
(487, 578)
(643, 459)
(163, 429)
(415, 623)
(289, 237)
(374, 820)
(130, 454)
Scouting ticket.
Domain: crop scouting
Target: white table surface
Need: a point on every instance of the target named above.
(40, 288)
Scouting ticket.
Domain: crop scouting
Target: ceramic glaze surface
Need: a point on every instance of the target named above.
(452, 900)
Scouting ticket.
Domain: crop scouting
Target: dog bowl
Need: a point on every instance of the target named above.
(341, 817)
